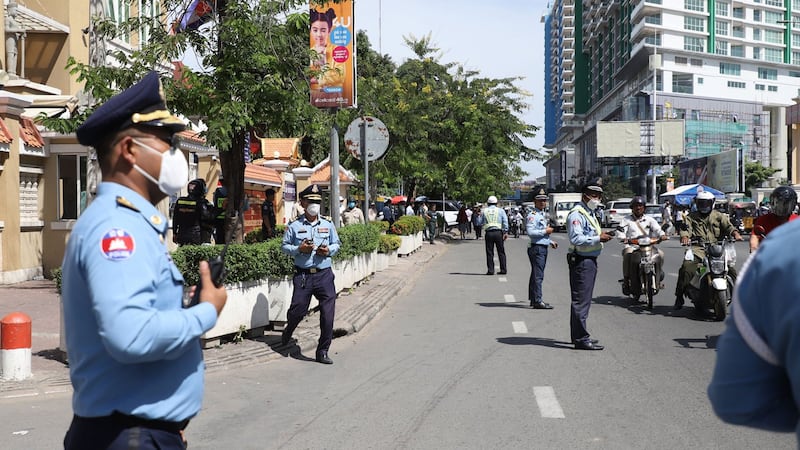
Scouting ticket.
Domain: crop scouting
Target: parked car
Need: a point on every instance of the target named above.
(616, 210)
(450, 211)
(653, 211)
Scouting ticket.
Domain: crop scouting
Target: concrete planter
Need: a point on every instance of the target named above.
(392, 258)
(381, 261)
(253, 304)
(409, 244)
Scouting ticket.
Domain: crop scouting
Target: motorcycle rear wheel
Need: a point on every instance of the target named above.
(650, 290)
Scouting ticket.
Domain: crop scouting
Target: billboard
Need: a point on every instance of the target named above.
(644, 138)
(332, 39)
(720, 171)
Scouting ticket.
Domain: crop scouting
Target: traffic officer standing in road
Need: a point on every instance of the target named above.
(496, 227)
(539, 232)
(134, 352)
(311, 240)
(585, 238)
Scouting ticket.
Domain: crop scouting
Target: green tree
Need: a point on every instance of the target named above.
(755, 174)
(615, 187)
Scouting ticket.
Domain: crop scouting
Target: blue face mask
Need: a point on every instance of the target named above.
(351, 205)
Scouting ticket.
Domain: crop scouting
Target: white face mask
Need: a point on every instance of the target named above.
(313, 209)
(174, 172)
(593, 203)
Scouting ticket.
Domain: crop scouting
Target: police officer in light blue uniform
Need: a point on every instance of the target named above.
(585, 238)
(312, 240)
(538, 231)
(756, 381)
(134, 352)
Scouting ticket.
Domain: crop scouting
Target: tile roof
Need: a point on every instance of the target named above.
(261, 175)
(29, 133)
(5, 134)
(287, 148)
(322, 174)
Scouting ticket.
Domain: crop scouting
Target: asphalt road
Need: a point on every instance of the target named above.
(459, 362)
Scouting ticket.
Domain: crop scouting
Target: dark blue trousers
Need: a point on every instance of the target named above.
(537, 254)
(321, 286)
(105, 433)
(581, 282)
(494, 238)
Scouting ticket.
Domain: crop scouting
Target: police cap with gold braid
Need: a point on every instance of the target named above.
(141, 104)
(312, 193)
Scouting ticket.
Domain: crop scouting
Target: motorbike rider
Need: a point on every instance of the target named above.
(632, 226)
(783, 201)
(516, 219)
(706, 225)
(193, 217)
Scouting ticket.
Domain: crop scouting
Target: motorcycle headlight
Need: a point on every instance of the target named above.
(644, 241)
(717, 266)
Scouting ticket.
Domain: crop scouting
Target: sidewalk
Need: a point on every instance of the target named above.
(354, 309)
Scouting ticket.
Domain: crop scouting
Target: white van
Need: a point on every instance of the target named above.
(559, 205)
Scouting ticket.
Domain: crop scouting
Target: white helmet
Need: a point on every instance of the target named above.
(492, 200)
(704, 201)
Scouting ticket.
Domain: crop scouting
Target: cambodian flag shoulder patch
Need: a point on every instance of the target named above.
(117, 245)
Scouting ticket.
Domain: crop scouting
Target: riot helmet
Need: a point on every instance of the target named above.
(197, 187)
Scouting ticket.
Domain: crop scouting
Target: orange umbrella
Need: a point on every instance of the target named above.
(398, 198)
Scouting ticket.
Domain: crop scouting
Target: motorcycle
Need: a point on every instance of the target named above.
(711, 286)
(646, 281)
(516, 226)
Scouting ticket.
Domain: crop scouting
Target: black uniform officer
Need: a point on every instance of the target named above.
(585, 238)
(220, 200)
(192, 220)
(268, 220)
(311, 240)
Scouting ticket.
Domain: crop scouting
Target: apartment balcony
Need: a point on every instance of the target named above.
(568, 83)
(645, 8)
(568, 52)
(643, 30)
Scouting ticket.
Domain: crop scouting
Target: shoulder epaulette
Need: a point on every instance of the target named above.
(122, 201)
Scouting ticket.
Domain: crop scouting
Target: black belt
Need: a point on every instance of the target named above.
(309, 270)
(126, 421)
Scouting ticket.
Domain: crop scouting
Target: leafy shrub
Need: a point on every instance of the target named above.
(382, 225)
(255, 235)
(388, 243)
(243, 262)
(357, 239)
(56, 274)
(407, 225)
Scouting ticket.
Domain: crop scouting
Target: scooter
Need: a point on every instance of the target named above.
(711, 287)
(646, 281)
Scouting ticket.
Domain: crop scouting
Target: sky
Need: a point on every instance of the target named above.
(497, 38)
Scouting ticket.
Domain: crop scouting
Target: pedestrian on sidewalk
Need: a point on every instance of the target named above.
(585, 238)
(311, 240)
(462, 220)
(432, 221)
(496, 234)
(135, 360)
(538, 232)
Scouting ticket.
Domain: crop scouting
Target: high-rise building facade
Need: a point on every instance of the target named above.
(727, 68)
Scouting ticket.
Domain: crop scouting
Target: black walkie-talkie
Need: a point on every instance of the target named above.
(216, 265)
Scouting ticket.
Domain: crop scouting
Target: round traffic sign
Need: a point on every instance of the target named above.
(377, 137)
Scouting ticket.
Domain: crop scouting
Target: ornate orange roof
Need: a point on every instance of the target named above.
(261, 175)
(191, 136)
(5, 134)
(288, 149)
(29, 133)
(322, 174)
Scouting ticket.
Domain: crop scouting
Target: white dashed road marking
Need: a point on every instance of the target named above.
(510, 298)
(547, 402)
(519, 327)
(502, 279)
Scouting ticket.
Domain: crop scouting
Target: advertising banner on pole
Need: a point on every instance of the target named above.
(332, 37)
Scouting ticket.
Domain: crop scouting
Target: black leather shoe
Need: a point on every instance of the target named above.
(593, 341)
(541, 305)
(286, 338)
(678, 303)
(322, 357)
(490, 273)
(583, 345)
(626, 287)
(502, 272)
